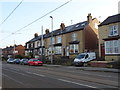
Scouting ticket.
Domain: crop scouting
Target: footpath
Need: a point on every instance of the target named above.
(100, 69)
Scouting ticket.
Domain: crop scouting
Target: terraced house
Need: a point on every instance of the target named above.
(109, 38)
(67, 41)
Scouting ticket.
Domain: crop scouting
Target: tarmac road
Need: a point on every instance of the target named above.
(24, 76)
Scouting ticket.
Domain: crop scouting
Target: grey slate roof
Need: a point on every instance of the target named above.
(68, 29)
(111, 19)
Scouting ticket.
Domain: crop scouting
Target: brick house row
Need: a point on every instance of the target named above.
(9, 51)
(67, 41)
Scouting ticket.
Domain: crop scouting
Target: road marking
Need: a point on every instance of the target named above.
(16, 72)
(0, 87)
(13, 69)
(76, 83)
(36, 74)
(13, 79)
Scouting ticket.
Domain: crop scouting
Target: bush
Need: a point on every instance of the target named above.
(18, 56)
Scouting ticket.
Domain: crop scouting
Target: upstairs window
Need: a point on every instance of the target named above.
(28, 46)
(59, 40)
(53, 40)
(74, 37)
(38, 43)
(113, 30)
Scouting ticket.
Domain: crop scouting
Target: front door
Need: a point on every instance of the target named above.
(102, 50)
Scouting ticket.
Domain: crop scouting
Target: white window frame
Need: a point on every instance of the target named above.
(74, 37)
(59, 39)
(73, 48)
(112, 47)
(31, 45)
(53, 40)
(27, 45)
(38, 43)
(58, 49)
(113, 30)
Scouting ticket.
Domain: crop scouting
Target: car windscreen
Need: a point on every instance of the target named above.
(25, 59)
(11, 59)
(80, 56)
(36, 60)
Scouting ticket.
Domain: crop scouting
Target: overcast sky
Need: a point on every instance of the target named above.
(30, 10)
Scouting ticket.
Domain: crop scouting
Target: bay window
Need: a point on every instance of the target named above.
(112, 47)
(74, 48)
(58, 49)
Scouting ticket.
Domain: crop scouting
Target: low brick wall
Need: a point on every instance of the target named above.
(98, 64)
(109, 64)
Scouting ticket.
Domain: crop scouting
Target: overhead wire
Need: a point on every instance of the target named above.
(38, 18)
(11, 13)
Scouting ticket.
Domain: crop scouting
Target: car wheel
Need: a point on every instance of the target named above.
(85, 64)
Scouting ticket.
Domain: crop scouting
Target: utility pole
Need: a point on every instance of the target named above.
(42, 43)
(51, 39)
(14, 49)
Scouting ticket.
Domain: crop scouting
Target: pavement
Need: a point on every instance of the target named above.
(100, 69)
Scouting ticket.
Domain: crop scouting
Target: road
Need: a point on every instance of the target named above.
(24, 76)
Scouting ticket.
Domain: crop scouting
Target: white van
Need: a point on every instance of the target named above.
(83, 58)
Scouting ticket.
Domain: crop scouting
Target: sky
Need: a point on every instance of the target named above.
(29, 10)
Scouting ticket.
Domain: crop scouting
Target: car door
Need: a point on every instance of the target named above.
(30, 62)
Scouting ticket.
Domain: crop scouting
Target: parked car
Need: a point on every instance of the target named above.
(16, 61)
(35, 62)
(24, 61)
(10, 60)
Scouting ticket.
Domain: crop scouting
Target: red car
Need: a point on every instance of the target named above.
(35, 62)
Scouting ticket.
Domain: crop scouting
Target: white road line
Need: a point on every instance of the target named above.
(76, 83)
(0, 87)
(16, 72)
(96, 74)
(36, 74)
(13, 69)
(13, 79)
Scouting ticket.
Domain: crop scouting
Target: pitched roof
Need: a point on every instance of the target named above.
(68, 29)
(111, 19)
(71, 28)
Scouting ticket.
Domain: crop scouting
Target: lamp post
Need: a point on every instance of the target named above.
(14, 49)
(51, 39)
(42, 44)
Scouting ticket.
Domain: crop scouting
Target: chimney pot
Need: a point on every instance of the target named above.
(62, 26)
(36, 35)
(47, 31)
(89, 18)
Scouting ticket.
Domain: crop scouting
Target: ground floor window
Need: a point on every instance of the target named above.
(51, 50)
(41, 51)
(74, 48)
(112, 47)
(58, 49)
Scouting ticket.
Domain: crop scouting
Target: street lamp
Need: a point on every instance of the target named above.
(51, 39)
(14, 49)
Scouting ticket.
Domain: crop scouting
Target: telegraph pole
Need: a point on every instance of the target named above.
(51, 39)
(42, 43)
(14, 49)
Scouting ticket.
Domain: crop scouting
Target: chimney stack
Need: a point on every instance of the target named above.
(62, 26)
(35, 35)
(89, 18)
(47, 31)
